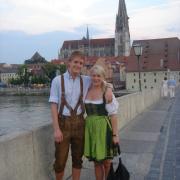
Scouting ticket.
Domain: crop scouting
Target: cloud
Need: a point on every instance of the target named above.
(39, 16)
(156, 21)
(147, 18)
(47, 23)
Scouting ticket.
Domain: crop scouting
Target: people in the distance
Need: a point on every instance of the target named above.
(171, 87)
(164, 87)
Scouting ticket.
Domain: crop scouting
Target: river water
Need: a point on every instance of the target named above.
(21, 113)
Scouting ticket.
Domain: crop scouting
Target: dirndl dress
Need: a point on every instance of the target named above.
(98, 133)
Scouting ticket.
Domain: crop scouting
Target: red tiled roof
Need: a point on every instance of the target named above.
(59, 61)
(90, 60)
(154, 50)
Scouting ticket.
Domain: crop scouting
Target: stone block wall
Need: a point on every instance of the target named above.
(29, 154)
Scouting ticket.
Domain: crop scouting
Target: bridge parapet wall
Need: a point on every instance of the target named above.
(29, 154)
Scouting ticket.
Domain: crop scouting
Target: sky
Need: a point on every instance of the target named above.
(27, 26)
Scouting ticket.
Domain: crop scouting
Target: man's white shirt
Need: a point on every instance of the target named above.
(72, 91)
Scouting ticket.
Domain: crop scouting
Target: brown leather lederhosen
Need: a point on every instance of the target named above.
(72, 128)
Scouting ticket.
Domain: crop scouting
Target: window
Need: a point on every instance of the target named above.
(145, 87)
(144, 74)
(154, 74)
(155, 80)
(144, 80)
(132, 87)
(134, 80)
(166, 74)
(134, 74)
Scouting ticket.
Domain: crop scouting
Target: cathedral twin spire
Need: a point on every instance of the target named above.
(121, 17)
(122, 35)
(87, 34)
(120, 44)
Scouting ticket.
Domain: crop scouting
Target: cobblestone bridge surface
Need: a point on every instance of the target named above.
(166, 160)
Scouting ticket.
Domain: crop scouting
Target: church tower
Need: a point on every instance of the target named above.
(87, 33)
(88, 42)
(122, 35)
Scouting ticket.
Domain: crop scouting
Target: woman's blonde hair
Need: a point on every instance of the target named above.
(97, 69)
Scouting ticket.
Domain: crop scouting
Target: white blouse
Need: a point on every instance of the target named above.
(111, 108)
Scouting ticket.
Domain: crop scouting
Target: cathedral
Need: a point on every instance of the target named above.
(118, 46)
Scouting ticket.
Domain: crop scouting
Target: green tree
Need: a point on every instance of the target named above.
(16, 81)
(24, 74)
(39, 80)
(62, 68)
(51, 69)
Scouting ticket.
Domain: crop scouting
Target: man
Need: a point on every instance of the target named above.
(171, 87)
(67, 94)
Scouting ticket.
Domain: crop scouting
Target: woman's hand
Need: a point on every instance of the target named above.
(116, 139)
(58, 136)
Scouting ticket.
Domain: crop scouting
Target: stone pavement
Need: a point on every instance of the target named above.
(166, 160)
(150, 143)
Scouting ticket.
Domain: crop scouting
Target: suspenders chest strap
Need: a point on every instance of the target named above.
(64, 102)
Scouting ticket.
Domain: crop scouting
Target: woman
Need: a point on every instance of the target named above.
(101, 131)
(164, 87)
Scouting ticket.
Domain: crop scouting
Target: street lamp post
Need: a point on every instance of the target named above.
(138, 52)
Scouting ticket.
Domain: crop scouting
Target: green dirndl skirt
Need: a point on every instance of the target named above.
(98, 138)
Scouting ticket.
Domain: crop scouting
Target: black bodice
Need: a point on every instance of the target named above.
(96, 109)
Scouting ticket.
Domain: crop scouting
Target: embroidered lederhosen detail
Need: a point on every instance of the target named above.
(73, 112)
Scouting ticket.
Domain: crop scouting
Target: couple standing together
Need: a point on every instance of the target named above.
(168, 87)
(71, 95)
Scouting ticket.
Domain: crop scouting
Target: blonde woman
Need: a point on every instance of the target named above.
(101, 125)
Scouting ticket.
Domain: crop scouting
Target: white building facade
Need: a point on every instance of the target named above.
(160, 59)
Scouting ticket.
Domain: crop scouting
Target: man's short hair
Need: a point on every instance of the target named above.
(77, 54)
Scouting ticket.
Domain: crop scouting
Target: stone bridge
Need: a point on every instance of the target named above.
(149, 138)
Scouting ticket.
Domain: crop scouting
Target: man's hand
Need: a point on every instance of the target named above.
(58, 135)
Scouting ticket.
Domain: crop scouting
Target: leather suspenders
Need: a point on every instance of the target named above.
(73, 112)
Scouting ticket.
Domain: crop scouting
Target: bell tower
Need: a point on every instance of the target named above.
(122, 35)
